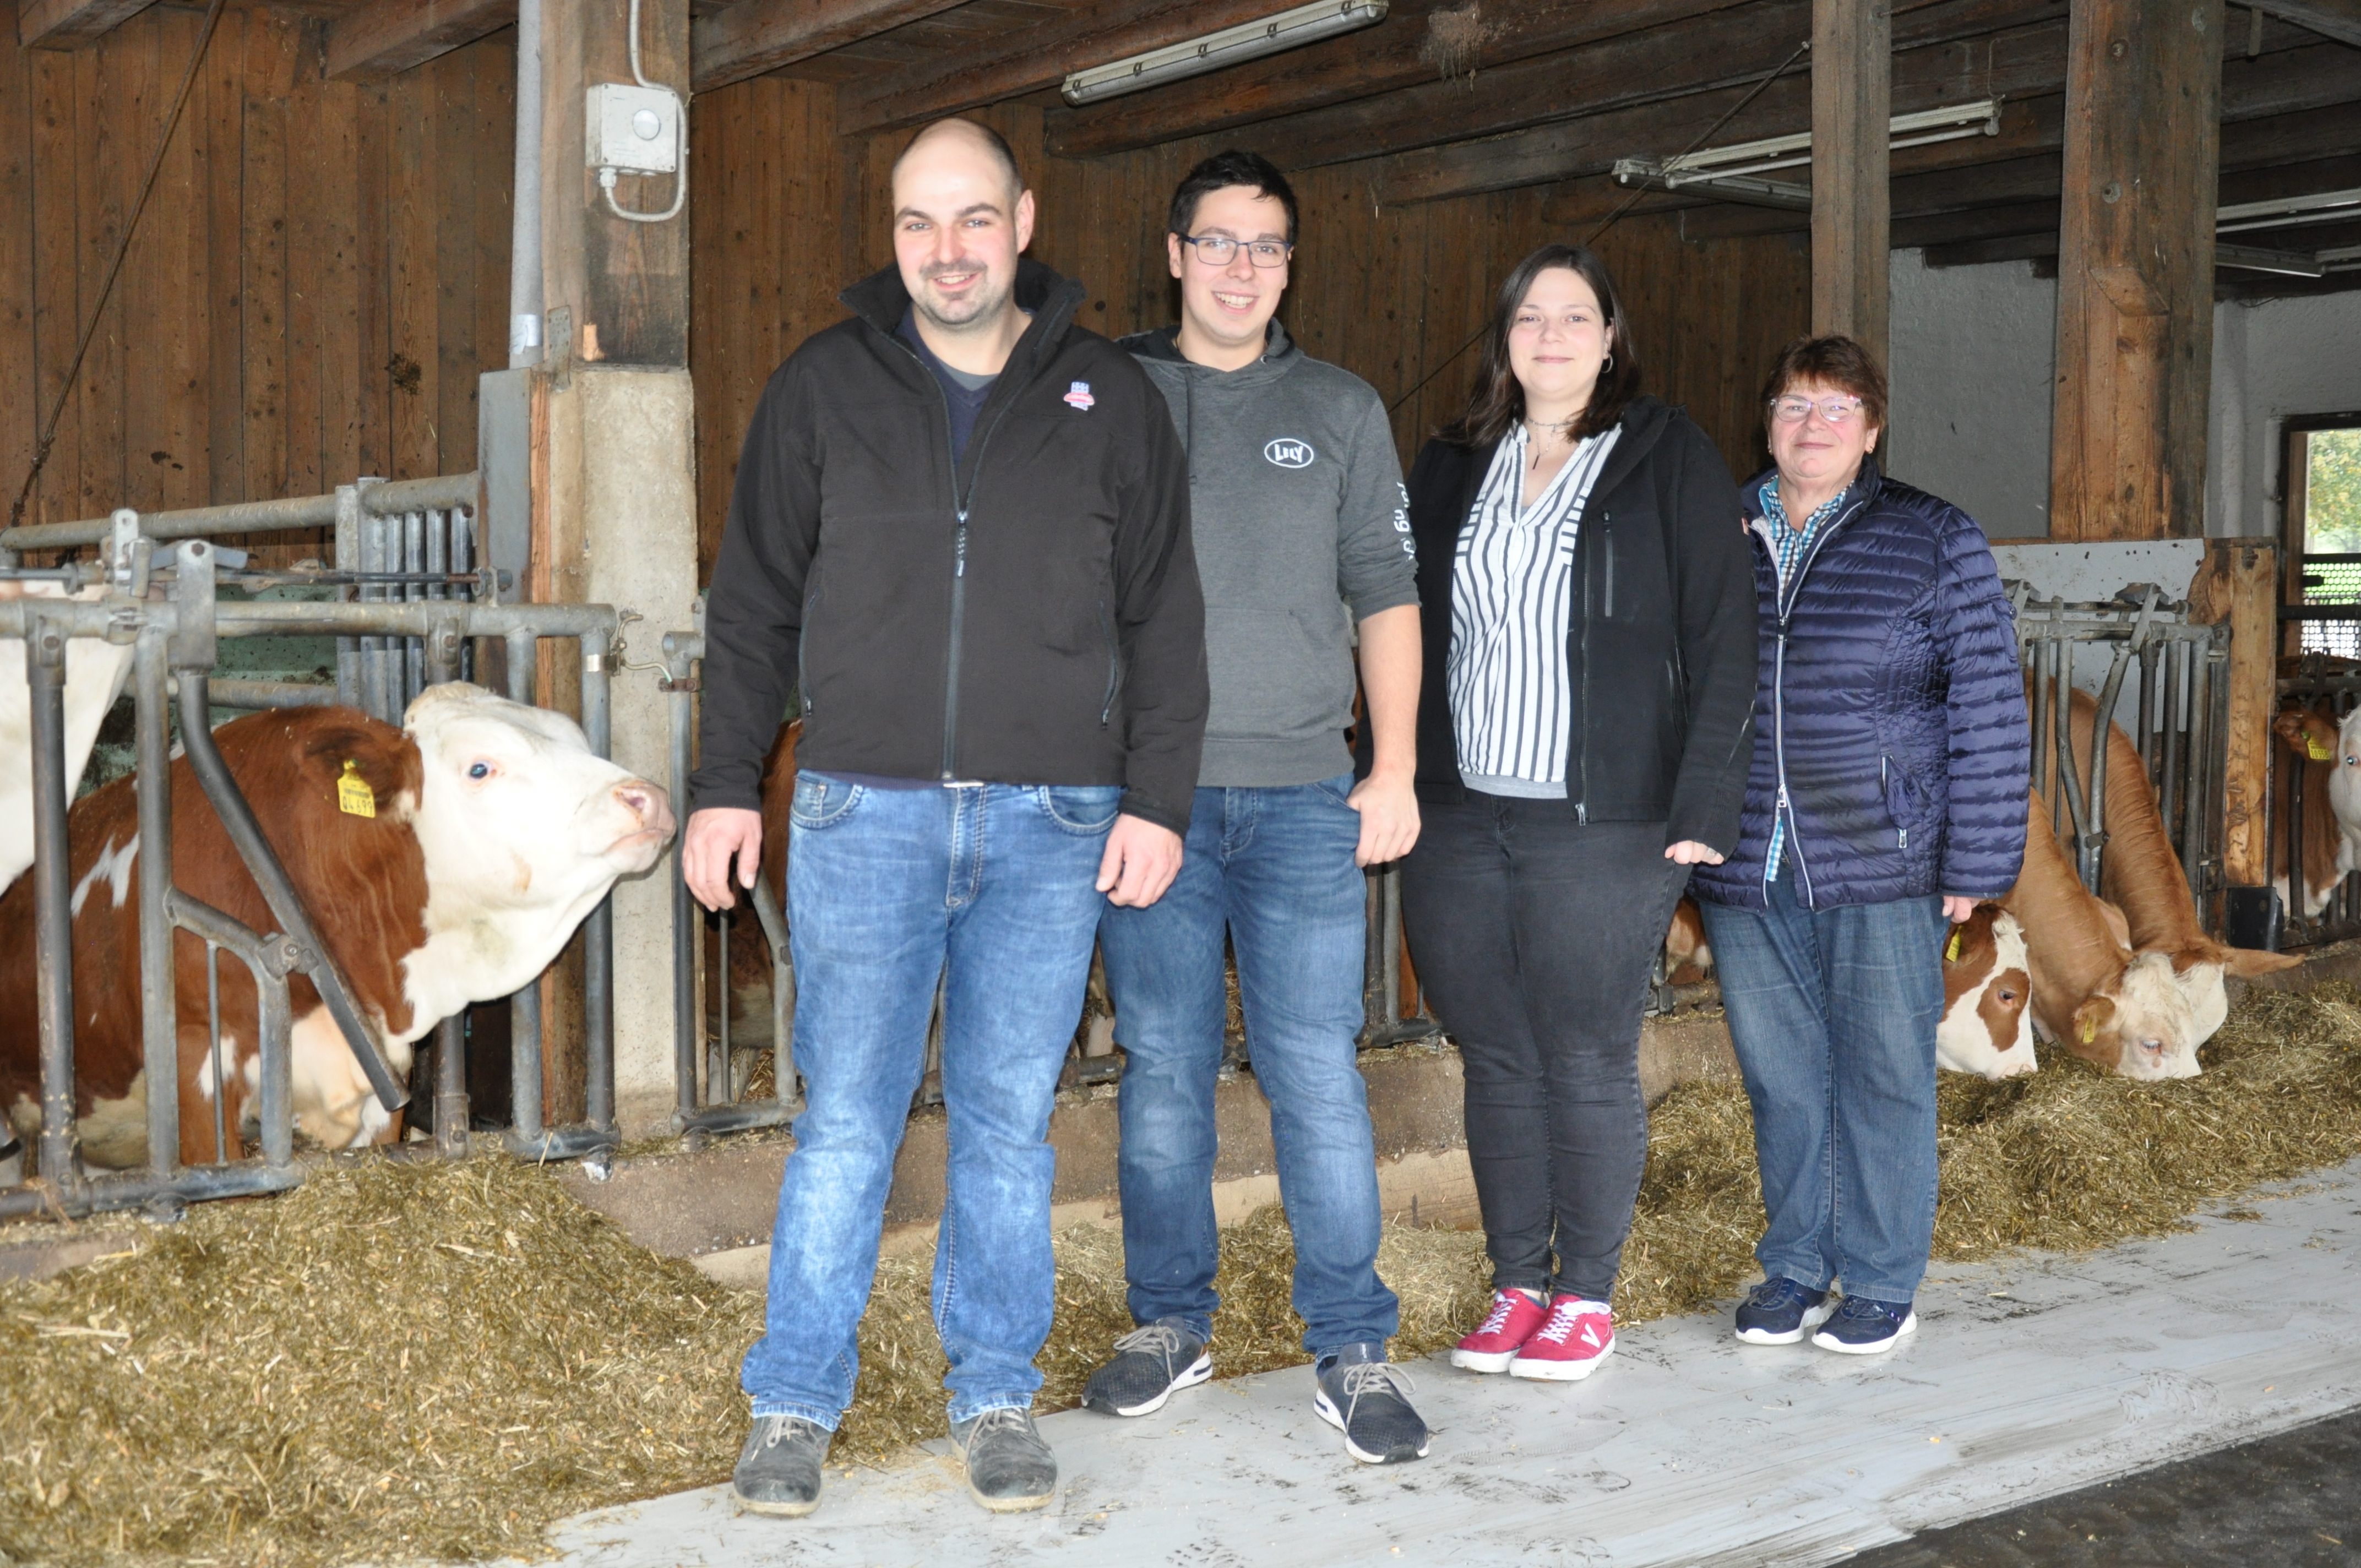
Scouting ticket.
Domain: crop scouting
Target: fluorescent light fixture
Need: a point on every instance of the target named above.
(2249, 258)
(1730, 172)
(2282, 212)
(1231, 46)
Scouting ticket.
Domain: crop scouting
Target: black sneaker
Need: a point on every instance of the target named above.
(778, 1470)
(1780, 1311)
(1367, 1400)
(1863, 1327)
(1149, 1364)
(1009, 1468)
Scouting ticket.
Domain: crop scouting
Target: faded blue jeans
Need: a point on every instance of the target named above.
(1833, 1013)
(1275, 868)
(885, 888)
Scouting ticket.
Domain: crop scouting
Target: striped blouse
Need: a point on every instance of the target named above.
(1511, 583)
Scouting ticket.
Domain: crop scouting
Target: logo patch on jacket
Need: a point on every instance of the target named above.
(1079, 394)
(1289, 453)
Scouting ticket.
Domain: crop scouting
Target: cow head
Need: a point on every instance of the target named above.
(523, 831)
(2344, 774)
(1987, 1028)
(2141, 1026)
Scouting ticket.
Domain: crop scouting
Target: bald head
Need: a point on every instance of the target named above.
(961, 140)
(961, 217)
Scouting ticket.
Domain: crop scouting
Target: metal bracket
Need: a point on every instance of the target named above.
(193, 645)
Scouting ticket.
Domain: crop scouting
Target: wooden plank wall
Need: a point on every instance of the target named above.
(785, 217)
(320, 273)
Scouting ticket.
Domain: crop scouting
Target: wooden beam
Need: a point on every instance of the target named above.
(2239, 584)
(1420, 44)
(2136, 270)
(2338, 19)
(70, 24)
(1852, 91)
(389, 37)
(756, 35)
(1029, 59)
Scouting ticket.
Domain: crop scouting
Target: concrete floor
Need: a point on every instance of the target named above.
(2028, 1377)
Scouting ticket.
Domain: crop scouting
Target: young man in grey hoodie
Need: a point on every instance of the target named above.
(1300, 532)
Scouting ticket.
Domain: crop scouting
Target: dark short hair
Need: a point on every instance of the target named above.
(994, 142)
(1234, 166)
(1834, 360)
(1497, 402)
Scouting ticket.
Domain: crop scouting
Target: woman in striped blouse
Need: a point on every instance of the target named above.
(1583, 739)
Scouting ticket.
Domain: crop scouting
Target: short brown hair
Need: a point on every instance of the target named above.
(1497, 402)
(1835, 360)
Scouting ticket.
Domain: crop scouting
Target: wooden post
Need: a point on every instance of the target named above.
(1852, 89)
(2135, 269)
(2239, 582)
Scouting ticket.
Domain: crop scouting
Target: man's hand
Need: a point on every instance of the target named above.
(1689, 853)
(1388, 809)
(1140, 862)
(1957, 909)
(715, 836)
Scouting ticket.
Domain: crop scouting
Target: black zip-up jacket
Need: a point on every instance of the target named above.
(1659, 643)
(1029, 617)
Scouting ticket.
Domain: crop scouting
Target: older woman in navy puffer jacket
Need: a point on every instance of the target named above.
(1887, 796)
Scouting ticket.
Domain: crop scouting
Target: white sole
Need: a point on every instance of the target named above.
(776, 1510)
(1559, 1371)
(1011, 1505)
(1909, 1325)
(1483, 1360)
(1328, 1412)
(1198, 1370)
(1813, 1318)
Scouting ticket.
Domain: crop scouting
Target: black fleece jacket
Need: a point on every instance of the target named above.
(1030, 616)
(1660, 640)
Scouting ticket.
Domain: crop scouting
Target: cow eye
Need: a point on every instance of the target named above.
(479, 770)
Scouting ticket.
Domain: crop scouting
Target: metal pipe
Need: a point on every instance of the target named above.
(686, 925)
(2101, 725)
(414, 650)
(45, 672)
(525, 237)
(255, 696)
(347, 559)
(373, 694)
(282, 618)
(783, 989)
(451, 1107)
(599, 928)
(526, 1135)
(718, 1085)
(2296, 913)
(213, 1054)
(159, 986)
(250, 517)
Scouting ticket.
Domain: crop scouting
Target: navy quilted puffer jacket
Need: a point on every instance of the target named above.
(1889, 712)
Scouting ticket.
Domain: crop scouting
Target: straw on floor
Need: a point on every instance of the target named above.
(398, 1364)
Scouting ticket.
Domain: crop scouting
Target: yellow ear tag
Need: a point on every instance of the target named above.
(1952, 953)
(354, 797)
(2089, 1031)
(2314, 749)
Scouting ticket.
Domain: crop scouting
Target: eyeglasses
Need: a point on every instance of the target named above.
(1219, 250)
(1836, 410)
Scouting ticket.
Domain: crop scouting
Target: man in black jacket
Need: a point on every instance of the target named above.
(960, 528)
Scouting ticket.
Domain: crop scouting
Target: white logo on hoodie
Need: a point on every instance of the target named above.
(1289, 453)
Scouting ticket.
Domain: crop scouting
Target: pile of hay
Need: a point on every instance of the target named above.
(414, 1363)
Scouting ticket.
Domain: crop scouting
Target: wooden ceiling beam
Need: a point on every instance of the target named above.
(388, 37)
(2338, 19)
(70, 24)
(752, 37)
(1420, 43)
(1030, 59)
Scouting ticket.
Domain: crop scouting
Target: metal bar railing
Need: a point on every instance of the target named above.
(288, 515)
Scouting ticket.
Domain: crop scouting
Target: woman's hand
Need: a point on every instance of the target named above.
(1689, 853)
(1957, 909)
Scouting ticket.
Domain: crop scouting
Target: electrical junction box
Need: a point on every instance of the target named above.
(635, 129)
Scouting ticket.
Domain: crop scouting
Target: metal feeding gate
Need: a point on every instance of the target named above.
(2174, 675)
(412, 609)
(711, 1073)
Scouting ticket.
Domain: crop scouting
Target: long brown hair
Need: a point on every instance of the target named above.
(1497, 402)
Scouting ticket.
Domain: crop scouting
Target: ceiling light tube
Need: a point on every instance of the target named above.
(2287, 263)
(1231, 46)
(1980, 118)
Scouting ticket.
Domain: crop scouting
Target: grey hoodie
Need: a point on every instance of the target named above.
(1302, 530)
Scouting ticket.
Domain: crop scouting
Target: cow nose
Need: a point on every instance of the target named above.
(647, 803)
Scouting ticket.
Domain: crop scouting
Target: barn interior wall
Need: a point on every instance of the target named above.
(320, 275)
(1971, 354)
(2273, 359)
(786, 216)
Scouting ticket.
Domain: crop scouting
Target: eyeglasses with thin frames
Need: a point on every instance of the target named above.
(1835, 411)
(1220, 250)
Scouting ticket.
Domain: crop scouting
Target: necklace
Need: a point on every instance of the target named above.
(1545, 428)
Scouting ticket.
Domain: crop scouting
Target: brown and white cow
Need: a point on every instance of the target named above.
(1688, 959)
(95, 671)
(494, 831)
(1987, 1028)
(2091, 994)
(2331, 848)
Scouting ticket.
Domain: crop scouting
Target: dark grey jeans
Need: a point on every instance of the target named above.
(1533, 935)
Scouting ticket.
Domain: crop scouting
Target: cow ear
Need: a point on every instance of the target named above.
(2248, 962)
(2092, 1017)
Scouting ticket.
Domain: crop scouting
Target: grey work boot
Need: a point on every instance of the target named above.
(778, 1470)
(1149, 1364)
(1009, 1468)
(1368, 1401)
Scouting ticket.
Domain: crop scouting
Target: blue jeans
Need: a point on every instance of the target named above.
(1833, 1012)
(1275, 867)
(885, 888)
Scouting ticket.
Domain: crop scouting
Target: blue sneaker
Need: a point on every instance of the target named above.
(1368, 1401)
(1863, 1327)
(1780, 1311)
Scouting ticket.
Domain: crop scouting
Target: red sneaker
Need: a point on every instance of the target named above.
(1569, 1347)
(1513, 1318)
